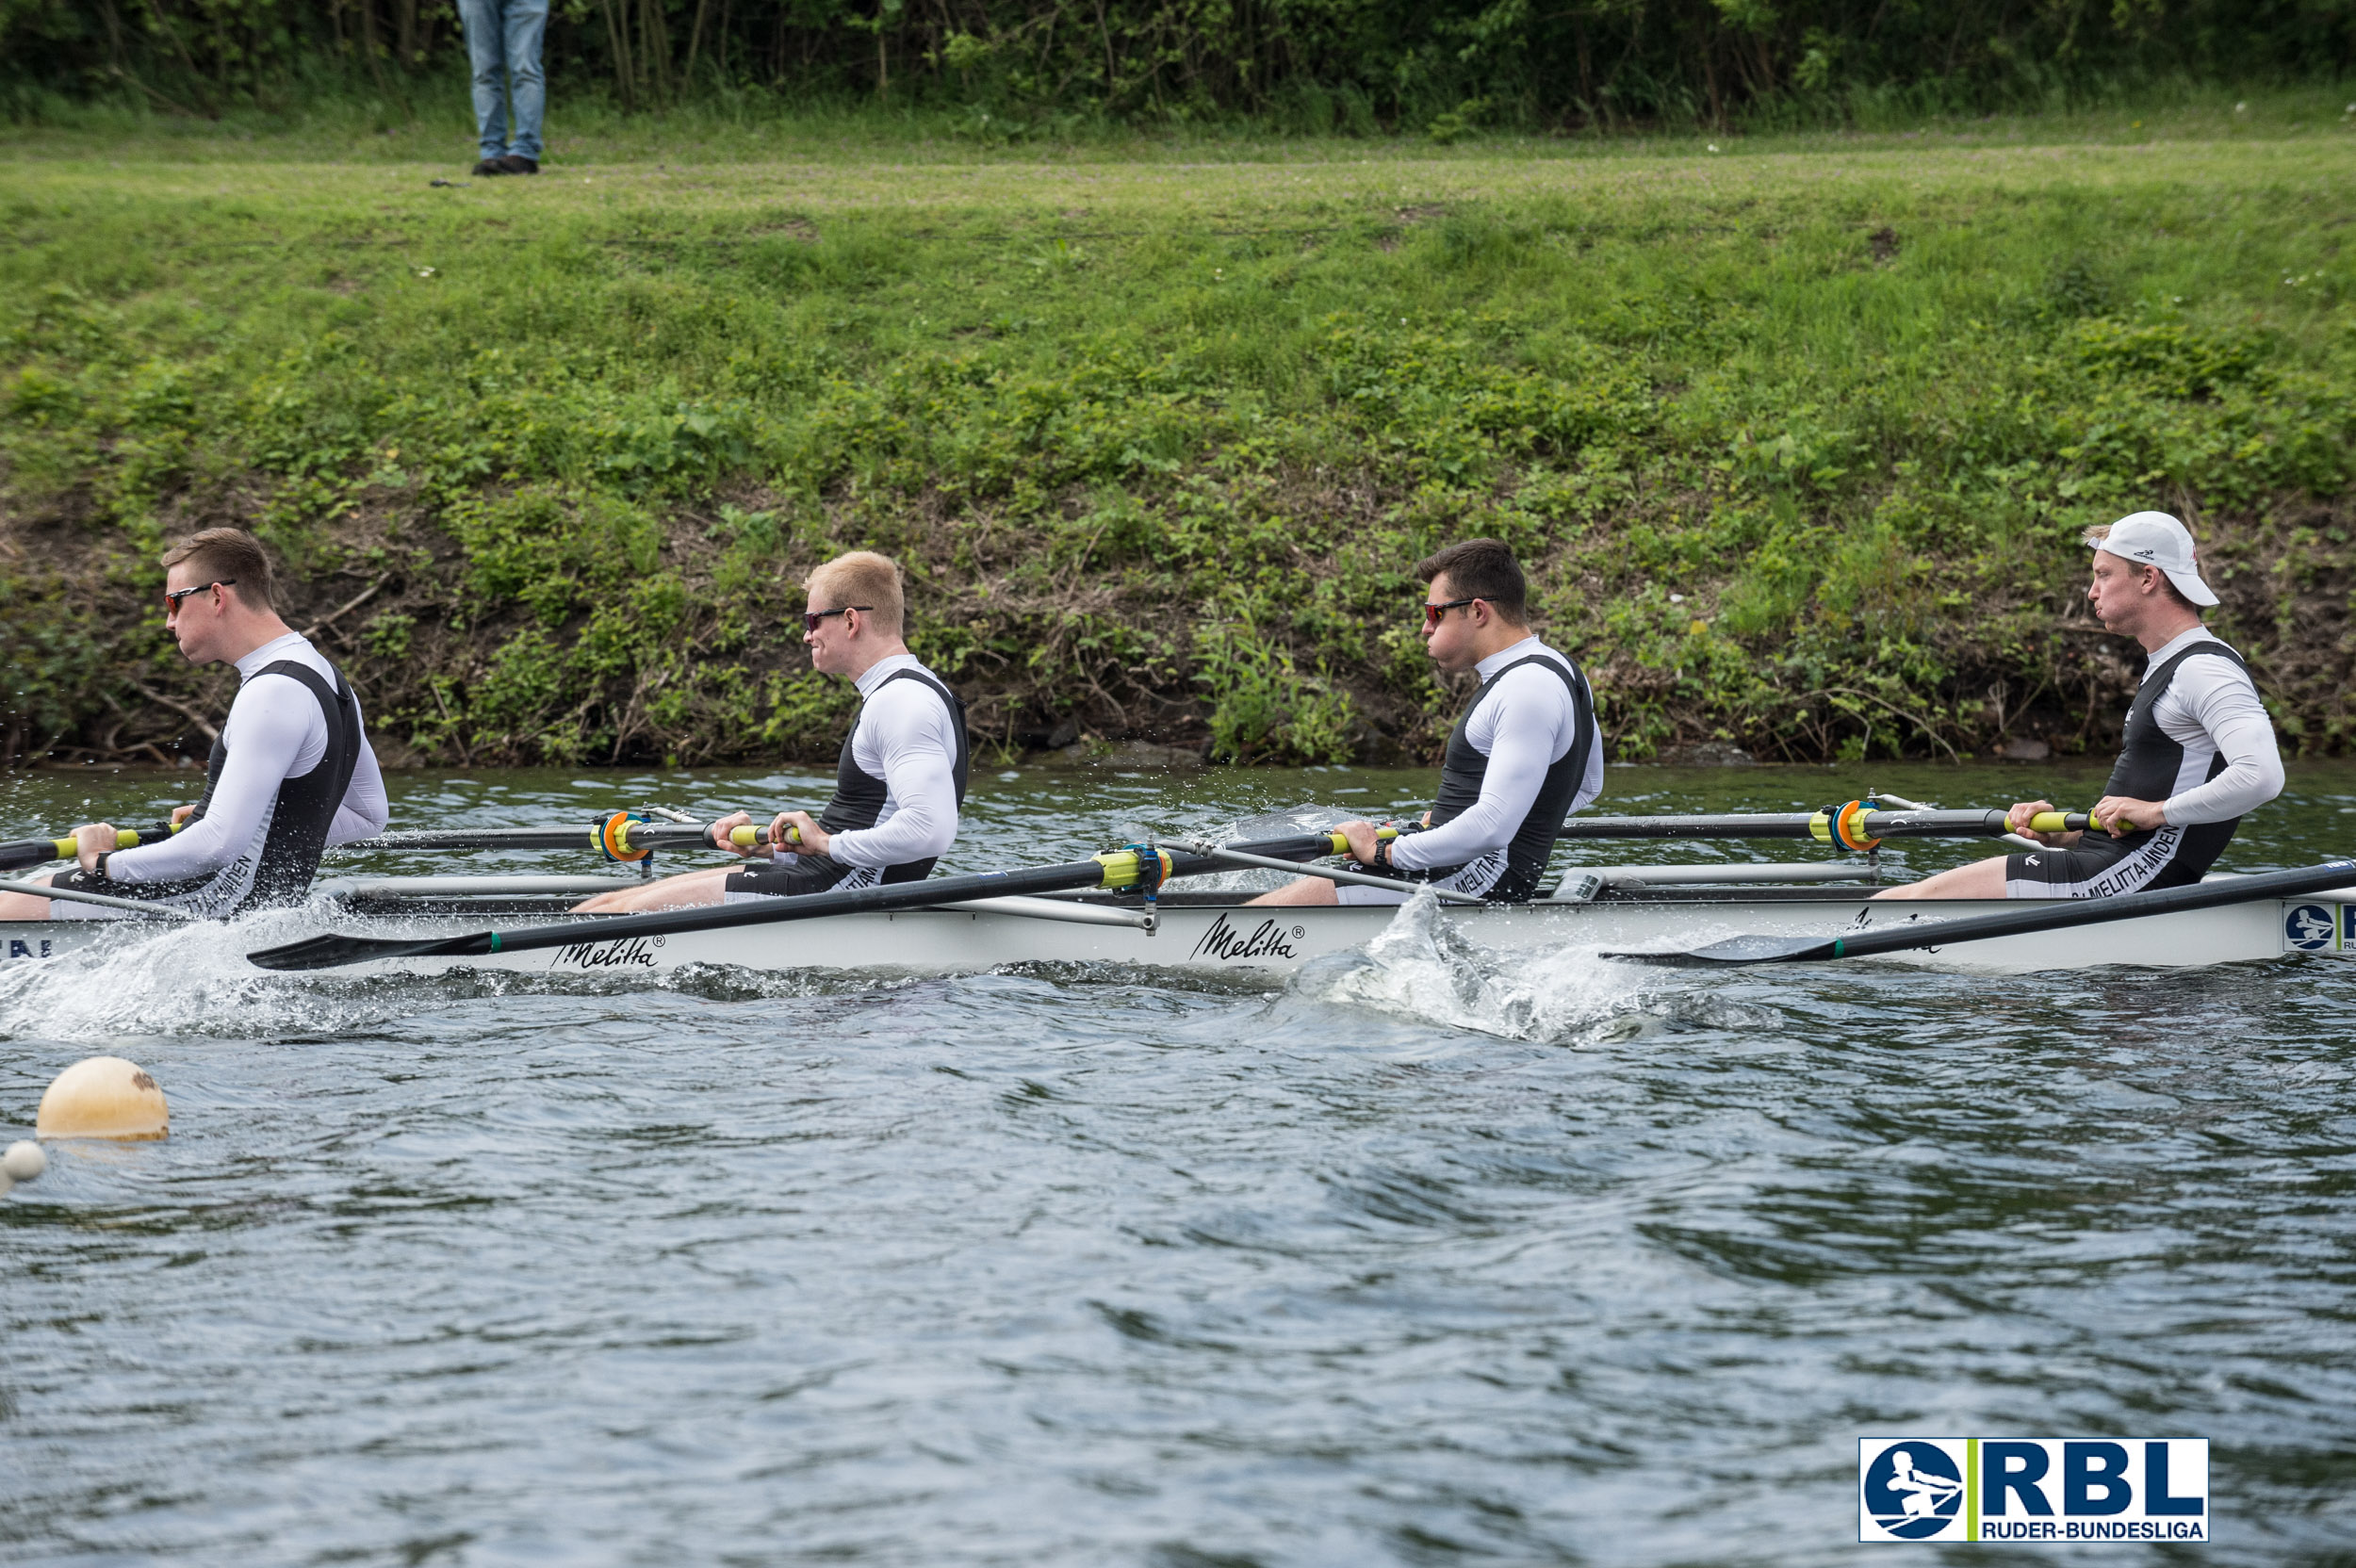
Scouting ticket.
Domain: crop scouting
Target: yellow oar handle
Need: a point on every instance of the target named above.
(2066, 821)
(126, 838)
(746, 837)
(1341, 843)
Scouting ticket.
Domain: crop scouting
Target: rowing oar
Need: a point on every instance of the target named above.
(1853, 825)
(40, 851)
(1227, 855)
(620, 836)
(2058, 915)
(1115, 870)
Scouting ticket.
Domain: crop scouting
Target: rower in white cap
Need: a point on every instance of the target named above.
(2197, 755)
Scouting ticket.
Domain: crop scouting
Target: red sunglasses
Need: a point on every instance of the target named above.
(1432, 612)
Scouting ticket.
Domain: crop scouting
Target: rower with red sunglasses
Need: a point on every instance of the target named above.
(1526, 753)
(899, 783)
(291, 770)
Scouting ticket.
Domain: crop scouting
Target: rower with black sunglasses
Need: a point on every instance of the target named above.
(291, 771)
(899, 783)
(1526, 753)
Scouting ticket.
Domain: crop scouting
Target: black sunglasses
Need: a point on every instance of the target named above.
(174, 595)
(1432, 612)
(812, 617)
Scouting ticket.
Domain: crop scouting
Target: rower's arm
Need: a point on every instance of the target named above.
(2219, 697)
(268, 739)
(365, 810)
(919, 767)
(1531, 731)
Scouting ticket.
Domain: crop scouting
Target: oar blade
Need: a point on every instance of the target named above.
(1735, 951)
(333, 952)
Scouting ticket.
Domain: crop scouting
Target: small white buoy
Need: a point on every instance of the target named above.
(21, 1163)
(104, 1097)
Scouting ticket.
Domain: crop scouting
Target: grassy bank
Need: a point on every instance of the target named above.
(1797, 434)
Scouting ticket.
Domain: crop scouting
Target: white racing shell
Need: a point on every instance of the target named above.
(1276, 940)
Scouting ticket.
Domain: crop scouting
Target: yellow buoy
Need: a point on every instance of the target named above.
(104, 1097)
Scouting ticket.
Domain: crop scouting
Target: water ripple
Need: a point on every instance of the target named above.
(1421, 1258)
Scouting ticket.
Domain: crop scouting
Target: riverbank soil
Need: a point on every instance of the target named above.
(1798, 435)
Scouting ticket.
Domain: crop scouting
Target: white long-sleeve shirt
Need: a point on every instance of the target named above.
(906, 737)
(1524, 727)
(2213, 706)
(274, 732)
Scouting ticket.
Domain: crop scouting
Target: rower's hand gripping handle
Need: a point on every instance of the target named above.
(612, 838)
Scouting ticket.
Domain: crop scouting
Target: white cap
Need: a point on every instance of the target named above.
(2156, 539)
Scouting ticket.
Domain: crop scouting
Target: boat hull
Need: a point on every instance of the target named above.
(1230, 939)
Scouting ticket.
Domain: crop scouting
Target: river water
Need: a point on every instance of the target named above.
(1416, 1260)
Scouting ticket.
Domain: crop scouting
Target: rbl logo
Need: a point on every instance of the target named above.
(2033, 1489)
(1913, 1492)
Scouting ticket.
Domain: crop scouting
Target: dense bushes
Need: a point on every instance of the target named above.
(1003, 70)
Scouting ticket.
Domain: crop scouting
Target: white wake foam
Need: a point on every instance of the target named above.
(147, 978)
(1424, 967)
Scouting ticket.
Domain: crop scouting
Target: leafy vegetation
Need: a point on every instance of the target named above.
(1798, 442)
(998, 72)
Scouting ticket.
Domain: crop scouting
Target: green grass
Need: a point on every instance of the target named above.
(1799, 432)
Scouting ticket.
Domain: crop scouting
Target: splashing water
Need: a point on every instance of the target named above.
(141, 979)
(1422, 968)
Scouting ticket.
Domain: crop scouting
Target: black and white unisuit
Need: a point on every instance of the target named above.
(2200, 742)
(1526, 753)
(291, 772)
(898, 788)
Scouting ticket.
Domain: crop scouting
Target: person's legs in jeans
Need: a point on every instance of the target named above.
(486, 52)
(527, 23)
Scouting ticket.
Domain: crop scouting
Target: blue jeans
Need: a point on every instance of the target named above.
(503, 46)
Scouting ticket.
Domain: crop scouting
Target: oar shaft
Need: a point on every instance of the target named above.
(40, 851)
(1120, 869)
(1330, 873)
(2062, 914)
(1819, 825)
(641, 834)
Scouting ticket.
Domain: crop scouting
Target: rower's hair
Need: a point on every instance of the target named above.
(2093, 538)
(227, 555)
(865, 578)
(1483, 569)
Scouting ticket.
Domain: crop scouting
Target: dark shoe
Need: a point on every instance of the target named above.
(491, 166)
(516, 163)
